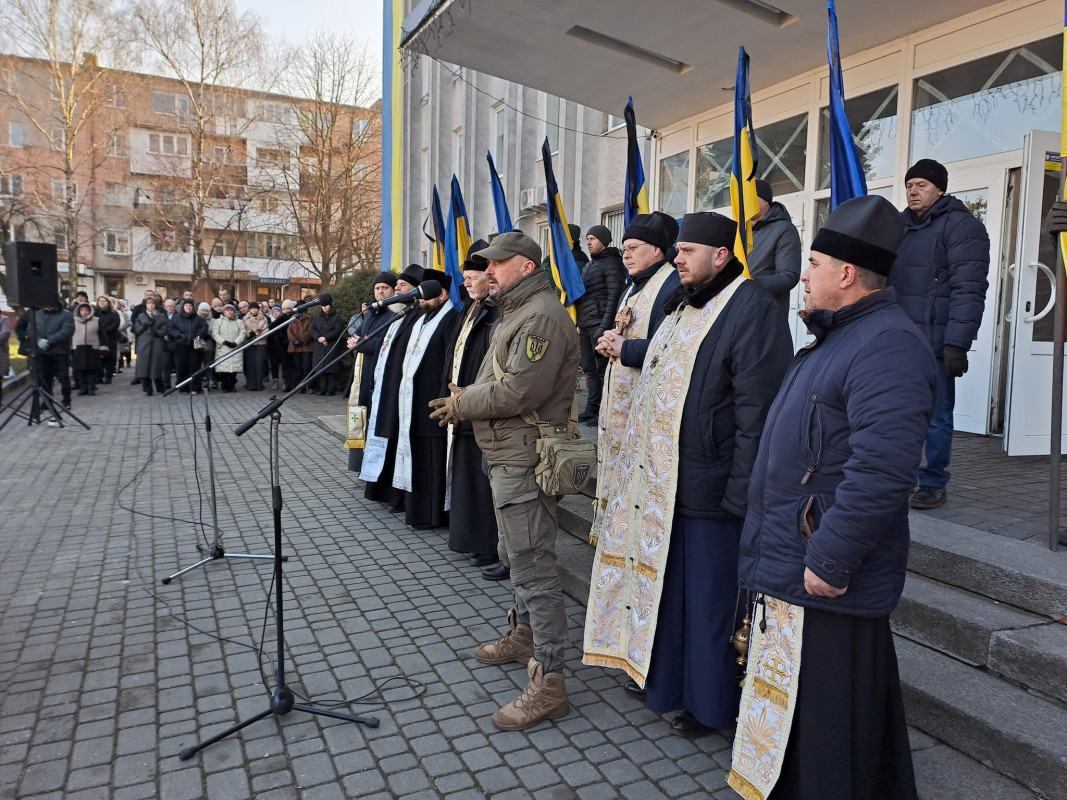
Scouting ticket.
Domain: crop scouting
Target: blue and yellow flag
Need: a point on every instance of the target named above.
(743, 171)
(392, 128)
(636, 201)
(438, 237)
(500, 205)
(457, 242)
(564, 269)
(1063, 131)
(846, 168)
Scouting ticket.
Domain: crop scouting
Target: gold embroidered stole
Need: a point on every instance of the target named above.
(357, 414)
(627, 579)
(619, 381)
(457, 362)
(768, 699)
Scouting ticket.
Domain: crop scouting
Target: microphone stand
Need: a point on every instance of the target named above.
(215, 551)
(282, 700)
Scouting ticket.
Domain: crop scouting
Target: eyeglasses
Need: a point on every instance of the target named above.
(627, 249)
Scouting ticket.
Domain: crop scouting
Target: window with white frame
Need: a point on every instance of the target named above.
(118, 145)
(11, 134)
(169, 103)
(166, 144)
(117, 243)
(59, 189)
(11, 185)
(611, 123)
(273, 112)
(552, 117)
(116, 194)
(113, 97)
(361, 130)
(59, 238)
(267, 157)
(268, 204)
(59, 139)
(222, 247)
(272, 245)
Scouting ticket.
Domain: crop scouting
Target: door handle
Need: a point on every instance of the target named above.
(1052, 297)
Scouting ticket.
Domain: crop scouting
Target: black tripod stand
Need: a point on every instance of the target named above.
(36, 394)
(282, 700)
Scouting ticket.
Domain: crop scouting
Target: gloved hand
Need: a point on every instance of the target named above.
(43, 345)
(955, 360)
(297, 343)
(446, 409)
(228, 343)
(1056, 220)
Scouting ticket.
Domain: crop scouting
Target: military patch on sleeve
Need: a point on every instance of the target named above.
(536, 347)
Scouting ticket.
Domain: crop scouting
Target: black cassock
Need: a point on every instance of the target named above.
(472, 522)
(372, 322)
(387, 417)
(425, 503)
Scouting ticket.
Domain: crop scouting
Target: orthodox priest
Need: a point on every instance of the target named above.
(663, 598)
(383, 425)
(825, 543)
(421, 443)
(360, 327)
(469, 501)
(647, 243)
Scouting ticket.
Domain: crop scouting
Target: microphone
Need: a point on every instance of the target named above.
(321, 300)
(427, 290)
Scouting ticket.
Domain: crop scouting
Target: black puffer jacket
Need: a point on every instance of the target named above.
(942, 272)
(775, 258)
(604, 278)
(184, 327)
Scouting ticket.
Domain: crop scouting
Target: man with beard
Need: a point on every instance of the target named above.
(646, 243)
(471, 522)
(383, 425)
(663, 594)
(604, 278)
(825, 543)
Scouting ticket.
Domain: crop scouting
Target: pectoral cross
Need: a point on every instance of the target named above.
(624, 319)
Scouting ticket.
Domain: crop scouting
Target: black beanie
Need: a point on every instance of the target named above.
(658, 229)
(325, 299)
(469, 263)
(412, 274)
(602, 233)
(764, 190)
(386, 278)
(865, 231)
(929, 170)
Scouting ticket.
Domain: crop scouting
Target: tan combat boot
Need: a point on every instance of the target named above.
(515, 645)
(545, 697)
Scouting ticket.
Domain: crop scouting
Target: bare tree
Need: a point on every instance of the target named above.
(216, 55)
(331, 191)
(59, 89)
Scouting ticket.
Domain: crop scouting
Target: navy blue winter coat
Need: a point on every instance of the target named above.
(942, 272)
(839, 455)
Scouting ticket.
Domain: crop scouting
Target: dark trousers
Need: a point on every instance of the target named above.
(939, 435)
(52, 368)
(169, 366)
(85, 380)
(594, 366)
(301, 366)
(186, 362)
(255, 367)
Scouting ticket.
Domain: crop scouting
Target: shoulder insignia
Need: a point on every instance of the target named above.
(536, 347)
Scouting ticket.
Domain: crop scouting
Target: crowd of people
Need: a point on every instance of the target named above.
(752, 502)
(81, 346)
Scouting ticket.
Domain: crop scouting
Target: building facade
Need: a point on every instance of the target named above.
(267, 194)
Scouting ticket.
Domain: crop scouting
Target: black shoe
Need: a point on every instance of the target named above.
(928, 497)
(631, 688)
(397, 509)
(588, 419)
(497, 573)
(135, 382)
(483, 559)
(685, 724)
(82, 392)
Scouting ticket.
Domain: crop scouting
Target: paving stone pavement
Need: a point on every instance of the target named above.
(108, 674)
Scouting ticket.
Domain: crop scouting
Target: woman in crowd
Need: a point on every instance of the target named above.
(149, 328)
(207, 346)
(256, 355)
(88, 348)
(277, 343)
(229, 334)
(185, 328)
(125, 334)
(300, 347)
(326, 329)
(109, 323)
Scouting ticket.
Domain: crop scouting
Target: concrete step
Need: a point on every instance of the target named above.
(942, 773)
(954, 620)
(1021, 574)
(1035, 656)
(575, 515)
(1002, 726)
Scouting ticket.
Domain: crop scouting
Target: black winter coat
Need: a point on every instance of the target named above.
(371, 322)
(183, 328)
(737, 373)
(604, 279)
(331, 327)
(109, 327)
(942, 272)
(633, 350)
(57, 326)
(474, 350)
(840, 452)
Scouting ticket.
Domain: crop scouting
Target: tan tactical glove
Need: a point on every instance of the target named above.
(446, 409)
